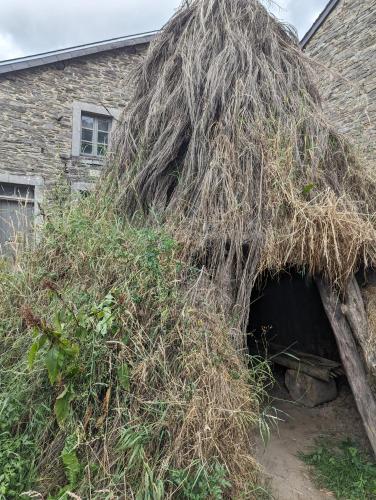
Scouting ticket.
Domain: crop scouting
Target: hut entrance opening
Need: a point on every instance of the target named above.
(289, 326)
(287, 310)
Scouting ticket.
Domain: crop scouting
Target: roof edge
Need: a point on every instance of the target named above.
(45, 58)
(319, 22)
(59, 55)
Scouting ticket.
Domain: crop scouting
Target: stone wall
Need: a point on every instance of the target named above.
(345, 48)
(36, 112)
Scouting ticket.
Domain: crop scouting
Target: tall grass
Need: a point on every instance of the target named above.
(118, 379)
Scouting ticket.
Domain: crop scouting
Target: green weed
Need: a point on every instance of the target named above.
(343, 469)
(200, 481)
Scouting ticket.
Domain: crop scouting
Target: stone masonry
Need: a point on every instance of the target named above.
(345, 48)
(36, 112)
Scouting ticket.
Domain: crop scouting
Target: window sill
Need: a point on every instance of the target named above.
(89, 160)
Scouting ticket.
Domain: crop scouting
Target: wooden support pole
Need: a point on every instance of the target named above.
(356, 315)
(351, 359)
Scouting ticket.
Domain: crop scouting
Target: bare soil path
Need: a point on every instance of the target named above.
(287, 475)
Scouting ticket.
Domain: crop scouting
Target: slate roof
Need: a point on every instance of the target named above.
(55, 56)
(75, 52)
(332, 4)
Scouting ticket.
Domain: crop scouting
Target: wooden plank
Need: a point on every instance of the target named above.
(295, 364)
(351, 359)
(305, 357)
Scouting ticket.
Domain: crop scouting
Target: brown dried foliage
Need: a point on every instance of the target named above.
(225, 141)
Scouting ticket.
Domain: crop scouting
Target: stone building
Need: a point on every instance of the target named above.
(343, 42)
(56, 114)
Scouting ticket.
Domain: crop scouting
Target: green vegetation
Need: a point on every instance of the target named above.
(343, 469)
(116, 378)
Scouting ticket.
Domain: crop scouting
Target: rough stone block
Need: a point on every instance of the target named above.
(309, 391)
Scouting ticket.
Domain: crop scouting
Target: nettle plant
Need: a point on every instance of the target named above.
(61, 354)
(57, 346)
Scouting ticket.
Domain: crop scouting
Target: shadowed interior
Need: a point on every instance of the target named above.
(287, 310)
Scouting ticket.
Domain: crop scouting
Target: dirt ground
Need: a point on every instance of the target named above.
(287, 476)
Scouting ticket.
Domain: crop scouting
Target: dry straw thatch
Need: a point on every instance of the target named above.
(225, 141)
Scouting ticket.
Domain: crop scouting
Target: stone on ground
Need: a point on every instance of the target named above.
(309, 391)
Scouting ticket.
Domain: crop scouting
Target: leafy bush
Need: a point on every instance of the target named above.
(343, 469)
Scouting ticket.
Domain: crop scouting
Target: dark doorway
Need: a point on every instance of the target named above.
(287, 310)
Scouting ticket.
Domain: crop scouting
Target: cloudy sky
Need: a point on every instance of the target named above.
(33, 26)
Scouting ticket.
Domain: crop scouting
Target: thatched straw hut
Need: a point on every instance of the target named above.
(122, 332)
(226, 142)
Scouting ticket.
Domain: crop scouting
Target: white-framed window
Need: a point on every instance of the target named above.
(91, 131)
(19, 209)
(95, 132)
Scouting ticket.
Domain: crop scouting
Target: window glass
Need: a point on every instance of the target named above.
(87, 135)
(6, 189)
(101, 149)
(16, 191)
(102, 137)
(86, 148)
(25, 192)
(87, 121)
(103, 124)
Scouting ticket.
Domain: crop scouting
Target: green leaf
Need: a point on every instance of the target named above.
(72, 467)
(123, 376)
(62, 405)
(71, 350)
(37, 345)
(35, 331)
(308, 188)
(32, 353)
(52, 363)
(58, 323)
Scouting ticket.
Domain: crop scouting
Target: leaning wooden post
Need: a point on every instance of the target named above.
(356, 315)
(351, 360)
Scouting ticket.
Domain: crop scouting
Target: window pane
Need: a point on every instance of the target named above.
(103, 124)
(86, 148)
(24, 192)
(6, 189)
(16, 190)
(87, 121)
(102, 138)
(87, 135)
(101, 149)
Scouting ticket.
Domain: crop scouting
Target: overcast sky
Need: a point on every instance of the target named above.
(32, 26)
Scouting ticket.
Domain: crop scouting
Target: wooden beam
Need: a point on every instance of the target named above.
(351, 359)
(298, 365)
(356, 315)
